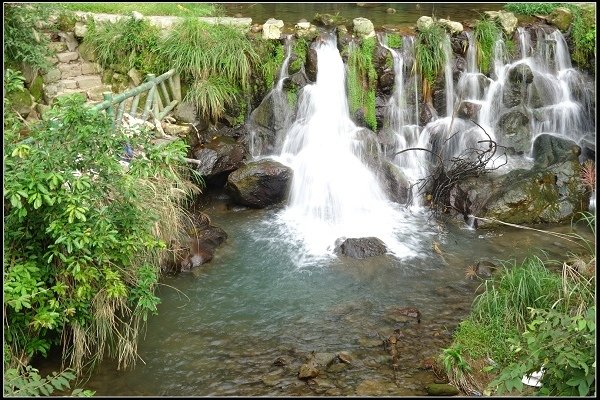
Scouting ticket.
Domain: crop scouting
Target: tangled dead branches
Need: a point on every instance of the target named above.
(472, 162)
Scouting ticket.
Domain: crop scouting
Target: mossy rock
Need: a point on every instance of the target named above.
(21, 102)
(66, 22)
(36, 88)
(107, 76)
(441, 389)
(561, 17)
(87, 52)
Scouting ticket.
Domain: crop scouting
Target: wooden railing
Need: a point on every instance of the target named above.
(159, 101)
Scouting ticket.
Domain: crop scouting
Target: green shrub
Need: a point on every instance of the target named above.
(175, 9)
(430, 56)
(300, 50)
(564, 345)
(84, 237)
(362, 81)
(272, 54)
(532, 8)
(126, 44)
(583, 32)
(393, 41)
(27, 382)
(22, 41)
(217, 59)
(487, 33)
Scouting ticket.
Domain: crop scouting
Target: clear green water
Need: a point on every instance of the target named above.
(221, 327)
(406, 13)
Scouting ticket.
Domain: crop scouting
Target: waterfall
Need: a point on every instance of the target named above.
(403, 122)
(260, 141)
(333, 193)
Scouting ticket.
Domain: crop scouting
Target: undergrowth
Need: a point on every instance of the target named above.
(362, 81)
(430, 56)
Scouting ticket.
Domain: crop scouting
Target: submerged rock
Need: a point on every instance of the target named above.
(259, 184)
(441, 389)
(360, 247)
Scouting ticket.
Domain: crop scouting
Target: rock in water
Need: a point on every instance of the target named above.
(441, 389)
(361, 247)
(259, 184)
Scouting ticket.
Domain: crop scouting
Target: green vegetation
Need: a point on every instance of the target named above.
(272, 60)
(393, 41)
(430, 56)
(300, 51)
(27, 382)
(22, 41)
(126, 44)
(529, 316)
(217, 59)
(175, 9)
(84, 236)
(362, 81)
(487, 33)
(531, 8)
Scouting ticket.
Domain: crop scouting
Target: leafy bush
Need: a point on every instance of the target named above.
(394, 40)
(14, 81)
(563, 345)
(22, 41)
(27, 382)
(84, 236)
(300, 51)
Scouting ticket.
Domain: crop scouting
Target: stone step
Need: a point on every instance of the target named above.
(95, 93)
(88, 81)
(67, 56)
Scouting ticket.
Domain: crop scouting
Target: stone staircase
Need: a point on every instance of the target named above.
(72, 73)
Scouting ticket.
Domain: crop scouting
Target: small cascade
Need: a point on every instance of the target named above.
(524, 42)
(448, 80)
(403, 122)
(261, 142)
(333, 193)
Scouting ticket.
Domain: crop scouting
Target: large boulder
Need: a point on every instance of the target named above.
(561, 18)
(360, 247)
(311, 65)
(272, 28)
(219, 156)
(424, 22)
(363, 27)
(451, 27)
(542, 195)
(394, 182)
(21, 102)
(260, 183)
(513, 130)
(469, 110)
(550, 149)
(507, 20)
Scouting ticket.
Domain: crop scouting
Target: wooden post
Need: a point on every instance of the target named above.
(108, 97)
(134, 105)
(165, 92)
(120, 113)
(177, 92)
(150, 99)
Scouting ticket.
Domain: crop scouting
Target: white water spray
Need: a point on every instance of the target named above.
(333, 193)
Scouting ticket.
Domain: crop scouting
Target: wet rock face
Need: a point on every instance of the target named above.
(259, 184)
(311, 65)
(220, 155)
(360, 247)
(513, 130)
(549, 149)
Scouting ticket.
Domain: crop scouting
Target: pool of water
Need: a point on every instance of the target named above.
(406, 13)
(222, 326)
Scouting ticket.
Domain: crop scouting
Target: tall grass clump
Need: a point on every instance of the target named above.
(125, 44)
(532, 8)
(362, 81)
(487, 33)
(202, 52)
(430, 56)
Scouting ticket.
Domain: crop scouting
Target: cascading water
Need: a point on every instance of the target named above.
(261, 143)
(403, 121)
(333, 193)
